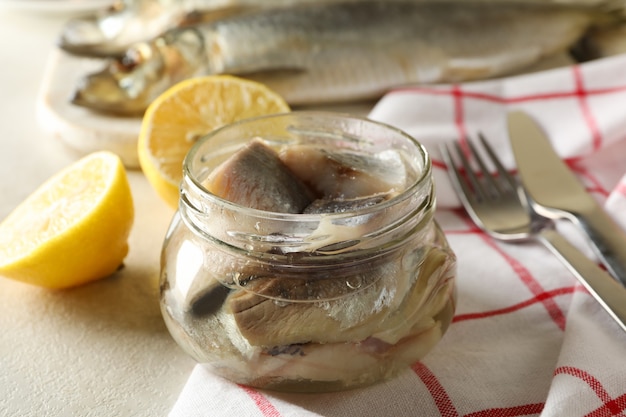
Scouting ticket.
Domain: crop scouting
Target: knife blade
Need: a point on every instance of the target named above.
(555, 192)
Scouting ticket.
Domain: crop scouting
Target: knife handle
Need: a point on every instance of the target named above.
(607, 240)
(608, 292)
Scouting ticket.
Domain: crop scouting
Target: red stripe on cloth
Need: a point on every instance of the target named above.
(611, 407)
(589, 379)
(596, 136)
(532, 284)
(510, 100)
(555, 95)
(438, 164)
(596, 185)
(472, 228)
(265, 407)
(528, 279)
(520, 410)
(515, 307)
(459, 115)
(439, 394)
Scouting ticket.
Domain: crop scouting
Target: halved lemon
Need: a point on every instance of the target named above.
(186, 112)
(73, 229)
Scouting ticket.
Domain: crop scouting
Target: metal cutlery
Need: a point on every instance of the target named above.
(499, 206)
(556, 193)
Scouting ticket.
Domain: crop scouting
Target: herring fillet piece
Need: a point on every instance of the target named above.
(341, 175)
(332, 52)
(409, 301)
(255, 177)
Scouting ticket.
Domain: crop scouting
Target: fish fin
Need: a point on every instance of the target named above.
(204, 16)
(276, 73)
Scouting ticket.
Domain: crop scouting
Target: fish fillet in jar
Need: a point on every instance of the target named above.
(403, 337)
(255, 177)
(391, 305)
(309, 180)
(344, 175)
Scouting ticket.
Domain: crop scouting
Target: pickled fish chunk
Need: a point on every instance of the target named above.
(265, 321)
(344, 175)
(255, 177)
(391, 305)
(320, 206)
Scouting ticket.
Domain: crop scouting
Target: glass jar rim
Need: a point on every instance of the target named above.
(419, 182)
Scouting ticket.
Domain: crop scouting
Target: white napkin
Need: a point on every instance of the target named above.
(527, 339)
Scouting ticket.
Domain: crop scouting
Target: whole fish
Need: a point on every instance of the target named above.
(332, 52)
(111, 31)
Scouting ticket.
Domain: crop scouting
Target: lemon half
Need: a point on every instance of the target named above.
(73, 229)
(189, 110)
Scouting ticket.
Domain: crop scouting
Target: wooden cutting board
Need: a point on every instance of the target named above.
(81, 129)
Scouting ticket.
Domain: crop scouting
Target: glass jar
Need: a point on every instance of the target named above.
(309, 302)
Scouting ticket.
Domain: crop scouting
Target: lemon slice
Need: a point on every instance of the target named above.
(186, 112)
(73, 229)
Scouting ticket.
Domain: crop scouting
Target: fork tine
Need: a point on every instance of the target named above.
(502, 172)
(477, 186)
(453, 170)
(488, 179)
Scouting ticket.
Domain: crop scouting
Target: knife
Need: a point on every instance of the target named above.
(556, 193)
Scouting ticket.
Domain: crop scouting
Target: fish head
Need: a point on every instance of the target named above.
(111, 31)
(98, 35)
(126, 85)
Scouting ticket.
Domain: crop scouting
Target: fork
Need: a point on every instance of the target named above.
(499, 205)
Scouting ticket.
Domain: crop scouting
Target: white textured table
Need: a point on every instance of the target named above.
(101, 349)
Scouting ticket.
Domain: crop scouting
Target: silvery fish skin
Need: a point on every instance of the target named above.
(256, 177)
(111, 31)
(344, 175)
(333, 52)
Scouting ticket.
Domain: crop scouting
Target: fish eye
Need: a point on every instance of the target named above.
(116, 7)
(129, 61)
(134, 57)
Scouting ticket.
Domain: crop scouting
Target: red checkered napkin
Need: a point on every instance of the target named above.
(527, 339)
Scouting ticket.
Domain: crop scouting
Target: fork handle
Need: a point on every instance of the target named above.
(606, 290)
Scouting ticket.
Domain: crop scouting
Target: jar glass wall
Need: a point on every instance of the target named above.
(319, 300)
